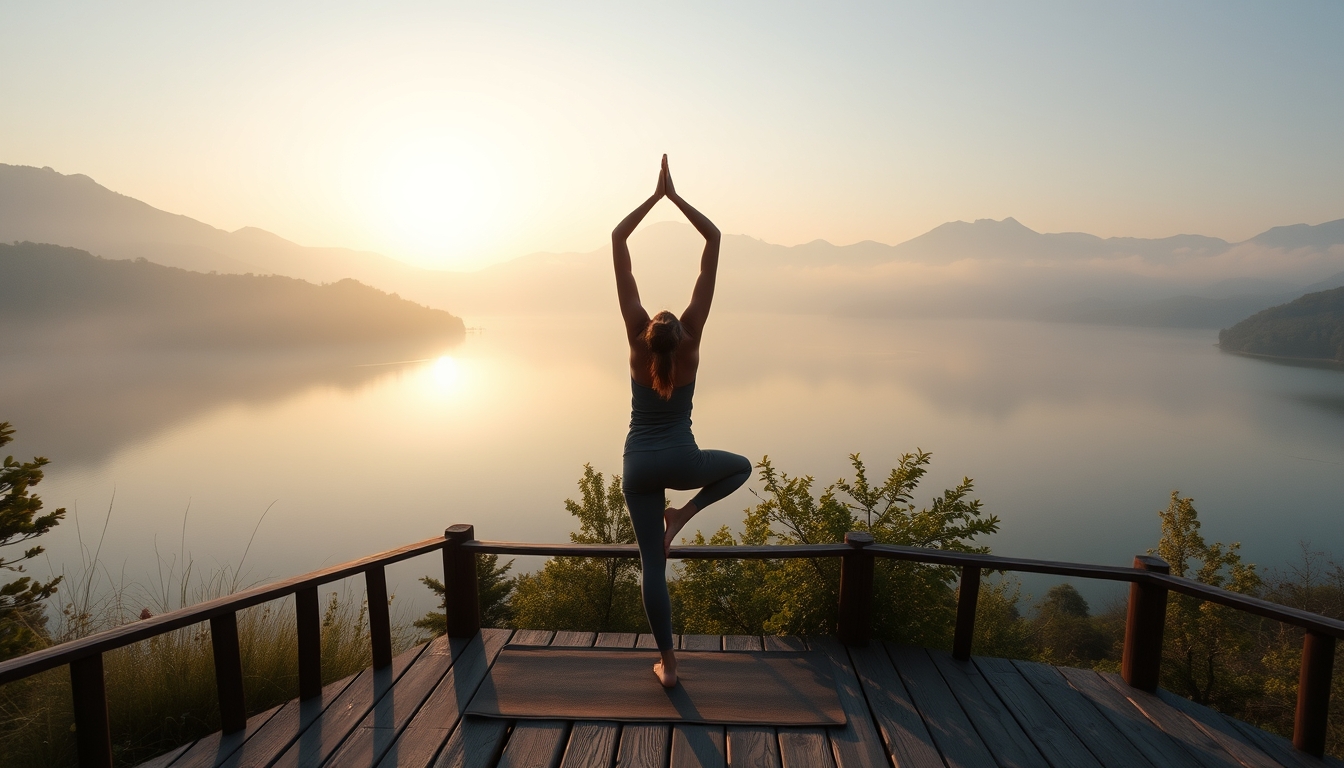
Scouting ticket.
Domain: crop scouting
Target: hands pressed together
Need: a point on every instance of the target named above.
(665, 188)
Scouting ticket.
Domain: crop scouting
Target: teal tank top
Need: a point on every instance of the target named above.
(656, 423)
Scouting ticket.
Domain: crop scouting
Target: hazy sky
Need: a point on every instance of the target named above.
(454, 134)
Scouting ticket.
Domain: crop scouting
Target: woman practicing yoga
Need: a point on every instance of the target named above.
(660, 451)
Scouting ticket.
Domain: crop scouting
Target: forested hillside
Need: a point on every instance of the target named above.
(49, 292)
(1311, 327)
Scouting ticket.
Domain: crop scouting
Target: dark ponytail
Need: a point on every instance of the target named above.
(663, 335)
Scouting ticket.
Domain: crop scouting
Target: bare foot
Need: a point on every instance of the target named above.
(667, 673)
(675, 518)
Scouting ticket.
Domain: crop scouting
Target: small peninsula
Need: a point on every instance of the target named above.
(1307, 328)
(51, 294)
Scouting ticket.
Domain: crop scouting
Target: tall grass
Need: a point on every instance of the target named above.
(161, 692)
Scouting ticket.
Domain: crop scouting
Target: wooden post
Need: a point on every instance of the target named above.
(461, 599)
(92, 735)
(1313, 693)
(228, 672)
(1145, 620)
(968, 594)
(309, 616)
(856, 591)
(380, 622)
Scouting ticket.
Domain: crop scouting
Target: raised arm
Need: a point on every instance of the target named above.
(632, 311)
(697, 312)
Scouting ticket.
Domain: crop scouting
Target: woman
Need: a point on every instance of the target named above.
(660, 451)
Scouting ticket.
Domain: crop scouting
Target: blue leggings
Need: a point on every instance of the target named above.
(647, 476)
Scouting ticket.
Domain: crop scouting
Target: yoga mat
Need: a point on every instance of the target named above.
(721, 687)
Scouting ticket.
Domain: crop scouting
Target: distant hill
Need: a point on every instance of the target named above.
(982, 268)
(1308, 328)
(50, 293)
(42, 206)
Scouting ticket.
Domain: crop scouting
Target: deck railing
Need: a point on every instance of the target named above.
(1149, 579)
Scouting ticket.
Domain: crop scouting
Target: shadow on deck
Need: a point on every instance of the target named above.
(906, 707)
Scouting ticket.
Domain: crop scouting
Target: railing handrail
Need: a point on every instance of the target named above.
(1149, 583)
(117, 637)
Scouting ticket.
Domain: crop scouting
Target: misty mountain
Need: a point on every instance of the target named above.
(52, 295)
(980, 268)
(1310, 328)
(42, 206)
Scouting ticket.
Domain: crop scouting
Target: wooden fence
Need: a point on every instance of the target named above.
(1149, 579)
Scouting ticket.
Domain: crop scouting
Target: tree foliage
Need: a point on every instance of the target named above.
(1206, 645)
(22, 621)
(494, 587)
(913, 603)
(587, 593)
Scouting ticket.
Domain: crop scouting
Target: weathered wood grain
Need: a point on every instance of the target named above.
(856, 744)
(616, 640)
(647, 641)
(438, 717)
(752, 746)
(1156, 746)
(805, 748)
(1055, 741)
(951, 730)
(698, 746)
(475, 743)
(378, 730)
(784, 643)
(743, 643)
(532, 637)
(167, 758)
(1004, 737)
(644, 745)
(1106, 743)
(1277, 747)
(574, 639)
(591, 745)
(217, 747)
(1195, 740)
(701, 643)
(316, 744)
(535, 744)
(277, 733)
(903, 730)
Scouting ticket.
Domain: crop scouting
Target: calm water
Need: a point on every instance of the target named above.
(1075, 436)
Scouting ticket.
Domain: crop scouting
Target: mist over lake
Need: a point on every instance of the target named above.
(1074, 434)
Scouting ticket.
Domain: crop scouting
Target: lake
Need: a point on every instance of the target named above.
(1075, 436)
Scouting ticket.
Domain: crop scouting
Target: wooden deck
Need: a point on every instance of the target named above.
(906, 707)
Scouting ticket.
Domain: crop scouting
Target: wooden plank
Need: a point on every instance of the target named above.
(784, 643)
(1156, 745)
(474, 744)
(698, 746)
(277, 733)
(1002, 735)
(1205, 749)
(752, 746)
(378, 730)
(1055, 741)
(318, 742)
(903, 731)
(217, 747)
(167, 758)
(644, 745)
(1229, 732)
(591, 745)
(532, 637)
(616, 640)
(856, 744)
(743, 643)
(701, 643)
(1106, 743)
(647, 641)
(805, 748)
(951, 730)
(439, 716)
(574, 639)
(535, 744)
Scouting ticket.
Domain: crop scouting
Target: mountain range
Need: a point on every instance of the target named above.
(985, 267)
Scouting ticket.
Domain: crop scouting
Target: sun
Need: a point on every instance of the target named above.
(437, 198)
